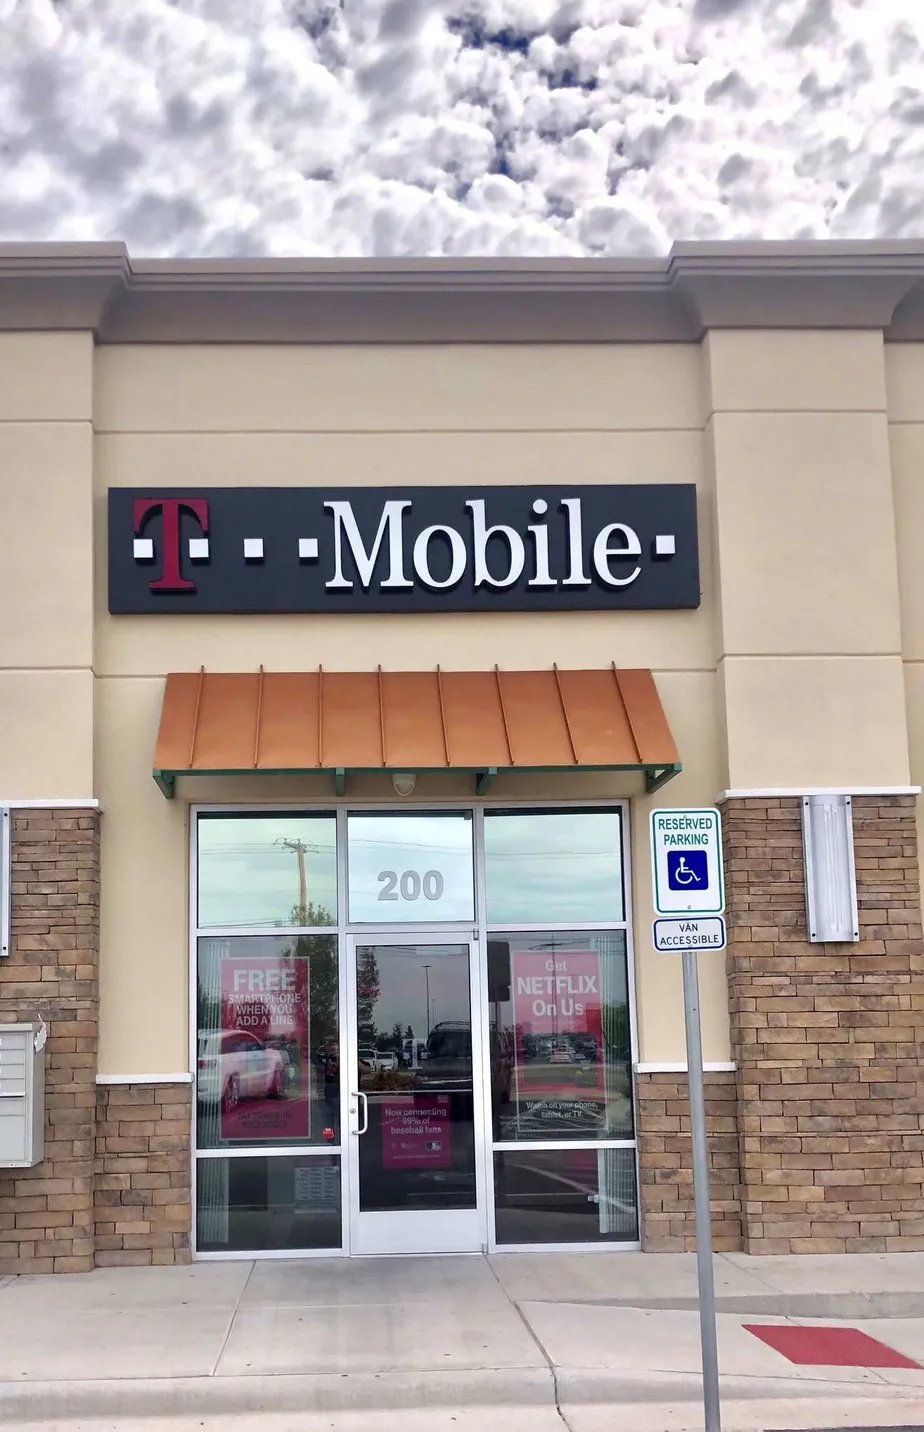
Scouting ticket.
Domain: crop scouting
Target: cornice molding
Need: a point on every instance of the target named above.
(836, 285)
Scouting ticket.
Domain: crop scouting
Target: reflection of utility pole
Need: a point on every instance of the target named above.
(426, 970)
(300, 847)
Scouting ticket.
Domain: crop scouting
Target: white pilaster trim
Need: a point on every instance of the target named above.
(710, 1066)
(144, 1078)
(54, 803)
(768, 791)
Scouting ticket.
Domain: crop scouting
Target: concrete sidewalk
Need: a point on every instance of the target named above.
(584, 1341)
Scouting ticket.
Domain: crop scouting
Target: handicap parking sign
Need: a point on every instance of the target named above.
(687, 869)
(686, 861)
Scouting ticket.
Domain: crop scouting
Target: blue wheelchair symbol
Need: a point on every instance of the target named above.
(687, 870)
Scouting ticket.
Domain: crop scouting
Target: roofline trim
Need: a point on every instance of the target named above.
(774, 792)
(872, 284)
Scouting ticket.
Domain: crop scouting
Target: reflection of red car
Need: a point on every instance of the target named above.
(234, 1065)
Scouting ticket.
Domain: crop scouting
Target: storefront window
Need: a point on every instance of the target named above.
(274, 907)
(560, 867)
(407, 869)
(559, 1035)
(267, 871)
(268, 1049)
(260, 1204)
(565, 1196)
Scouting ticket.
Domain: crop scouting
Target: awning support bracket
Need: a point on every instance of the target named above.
(483, 779)
(340, 781)
(658, 776)
(166, 781)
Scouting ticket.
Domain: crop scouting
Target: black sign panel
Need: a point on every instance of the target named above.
(402, 549)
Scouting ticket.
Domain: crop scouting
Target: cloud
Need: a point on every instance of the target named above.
(458, 126)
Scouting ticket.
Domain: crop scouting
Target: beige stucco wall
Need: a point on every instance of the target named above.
(380, 388)
(359, 416)
(46, 593)
(810, 629)
(905, 390)
(805, 448)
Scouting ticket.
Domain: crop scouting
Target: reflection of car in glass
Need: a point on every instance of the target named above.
(234, 1065)
(291, 1056)
(502, 1061)
(413, 1053)
(448, 1064)
(385, 1059)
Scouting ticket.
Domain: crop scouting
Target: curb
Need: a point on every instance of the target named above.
(130, 1399)
(127, 1398)
(840, 1306)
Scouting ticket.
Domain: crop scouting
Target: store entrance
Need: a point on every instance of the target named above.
(415, 1121)
(412, 1031)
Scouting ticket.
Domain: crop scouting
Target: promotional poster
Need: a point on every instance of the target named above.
(416, 1132)
(558, 1071)
(265, 1073)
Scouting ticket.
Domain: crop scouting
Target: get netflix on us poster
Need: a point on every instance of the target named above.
(558, 1075)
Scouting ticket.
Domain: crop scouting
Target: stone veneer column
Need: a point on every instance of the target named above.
(666, 1162)
(143, 1206)
(52, 971)
(827, 1038)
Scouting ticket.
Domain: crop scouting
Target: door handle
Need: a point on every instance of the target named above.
(365, 1124)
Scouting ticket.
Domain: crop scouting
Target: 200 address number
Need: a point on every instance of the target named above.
(410, 885)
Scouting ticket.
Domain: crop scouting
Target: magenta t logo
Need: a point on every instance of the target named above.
(171, 579)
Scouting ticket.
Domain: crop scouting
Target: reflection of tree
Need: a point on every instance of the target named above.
(320, 954)
(368, 989)
(392, 1040)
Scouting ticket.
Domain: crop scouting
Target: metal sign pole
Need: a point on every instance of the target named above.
(707, 1329)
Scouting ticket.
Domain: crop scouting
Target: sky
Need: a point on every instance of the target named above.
(458, 127)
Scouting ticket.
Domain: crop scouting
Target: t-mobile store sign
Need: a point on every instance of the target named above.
(374, 549)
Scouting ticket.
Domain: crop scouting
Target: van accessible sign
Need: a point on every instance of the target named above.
(407, 549)
(705, 932)
(686, 862)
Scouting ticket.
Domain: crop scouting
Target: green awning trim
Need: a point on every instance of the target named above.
(655, 776)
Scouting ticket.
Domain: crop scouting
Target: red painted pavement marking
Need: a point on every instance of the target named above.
(828, 1347)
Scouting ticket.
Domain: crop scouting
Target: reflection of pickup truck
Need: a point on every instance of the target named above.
(385, 1059)
(448, 1064)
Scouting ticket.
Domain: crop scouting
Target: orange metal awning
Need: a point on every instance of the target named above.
(350, 721)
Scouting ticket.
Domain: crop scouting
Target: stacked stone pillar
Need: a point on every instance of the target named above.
(828, 1038)
(52, 973)
(665, 1154)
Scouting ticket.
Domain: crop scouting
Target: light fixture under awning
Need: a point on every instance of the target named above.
(482, 722)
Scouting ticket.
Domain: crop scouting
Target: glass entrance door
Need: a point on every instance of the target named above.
(415, 1121)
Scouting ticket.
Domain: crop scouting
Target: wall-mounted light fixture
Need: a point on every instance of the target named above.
(404, 782)
(830, 876)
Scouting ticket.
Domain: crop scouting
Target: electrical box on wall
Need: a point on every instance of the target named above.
(22, 1095)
